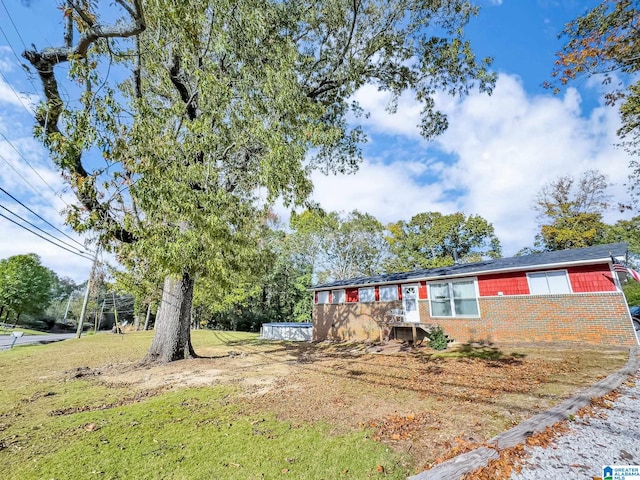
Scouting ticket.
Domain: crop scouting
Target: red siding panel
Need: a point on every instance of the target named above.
(422, 291)
(351, 295)
(591, 278)
(508, 283)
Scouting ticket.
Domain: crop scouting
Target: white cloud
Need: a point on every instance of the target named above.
(500, 150)
(388, 191)
(380, 121)
(41, 193)
(10, 96)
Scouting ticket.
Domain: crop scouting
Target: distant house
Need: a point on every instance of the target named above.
(564, 296)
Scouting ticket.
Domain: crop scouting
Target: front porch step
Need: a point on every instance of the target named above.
(410, 332)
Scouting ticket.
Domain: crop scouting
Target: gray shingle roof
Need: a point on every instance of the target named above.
(598, 254)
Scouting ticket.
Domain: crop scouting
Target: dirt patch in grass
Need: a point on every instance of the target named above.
(431, 405)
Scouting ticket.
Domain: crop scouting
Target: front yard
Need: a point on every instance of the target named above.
(255, 409)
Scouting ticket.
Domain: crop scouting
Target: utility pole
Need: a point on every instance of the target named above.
(115, 314)
(146, 320)
(86, 294)
(66, 310)
(99, 319)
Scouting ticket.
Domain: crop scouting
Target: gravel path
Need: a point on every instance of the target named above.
(610, 438)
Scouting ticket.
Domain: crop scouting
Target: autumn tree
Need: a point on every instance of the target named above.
(604, 42)
(26, 286)
(570, 211)
(227, 106)
(340, 246)
(431, 240)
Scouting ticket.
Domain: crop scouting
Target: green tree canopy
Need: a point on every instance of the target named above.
(26, 286)
(432, 239)
(570, 212)
(277, 289)
(226, 107)
(625, 231)
(340, 246)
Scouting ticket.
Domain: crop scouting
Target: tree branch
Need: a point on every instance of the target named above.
(44, 62)
(180, 82)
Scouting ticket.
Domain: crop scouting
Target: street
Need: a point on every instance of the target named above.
(7, 339)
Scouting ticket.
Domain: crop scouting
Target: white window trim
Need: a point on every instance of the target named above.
(388, 286)
(333, 296)
(373, 294)
(322, 293)
(566, 274)
(450, 282)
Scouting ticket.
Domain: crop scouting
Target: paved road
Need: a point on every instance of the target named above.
(6, 340)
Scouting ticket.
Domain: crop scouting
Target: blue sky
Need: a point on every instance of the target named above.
(497, 154)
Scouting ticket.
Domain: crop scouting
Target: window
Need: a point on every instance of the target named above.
(337, 296)
(453, 299)
(367, 295)
(323, 297)
(389, 293)
(545, 283)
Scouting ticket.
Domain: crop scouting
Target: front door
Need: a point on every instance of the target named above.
(410, 303)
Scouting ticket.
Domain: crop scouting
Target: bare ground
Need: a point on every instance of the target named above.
(427, 406)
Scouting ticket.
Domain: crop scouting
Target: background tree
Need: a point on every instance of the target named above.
(338, 246)
(277, 291)
(431, 240)
(625, 231)
(604, 42)
(26, 286)
(570, 212)
(63, 291)
(628, 231)
(223, 101)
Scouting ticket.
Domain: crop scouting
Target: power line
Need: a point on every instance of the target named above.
(44, 238)
(23, 178)
(14, 25)
(13, 50)
(44, 220)
(31, 167)
(16, 94)
(43, 231)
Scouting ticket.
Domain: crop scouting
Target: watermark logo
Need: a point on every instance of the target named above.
(621, 472)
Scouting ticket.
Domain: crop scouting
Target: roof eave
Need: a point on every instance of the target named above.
(574, 263)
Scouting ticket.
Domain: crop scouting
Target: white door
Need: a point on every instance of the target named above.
(410, 303)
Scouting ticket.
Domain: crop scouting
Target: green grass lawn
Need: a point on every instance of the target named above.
(56, 423)
(26, 331)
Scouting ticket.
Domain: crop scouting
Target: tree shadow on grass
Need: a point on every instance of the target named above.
(487, 352)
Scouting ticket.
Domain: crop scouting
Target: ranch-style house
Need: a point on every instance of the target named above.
(568, 296)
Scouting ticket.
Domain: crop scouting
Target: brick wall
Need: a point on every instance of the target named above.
(350, 321)
(594, 318)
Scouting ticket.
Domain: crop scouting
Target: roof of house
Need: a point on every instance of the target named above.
(559, 258)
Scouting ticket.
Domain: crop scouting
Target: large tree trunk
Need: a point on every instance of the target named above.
(172, 340)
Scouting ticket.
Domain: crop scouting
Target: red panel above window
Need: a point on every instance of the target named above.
(352, 295)
(514, 283)
(592, 278)
(422, 290)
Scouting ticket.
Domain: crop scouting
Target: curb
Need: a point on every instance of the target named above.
(467, 462)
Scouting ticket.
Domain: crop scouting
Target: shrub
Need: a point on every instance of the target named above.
(437, 339)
